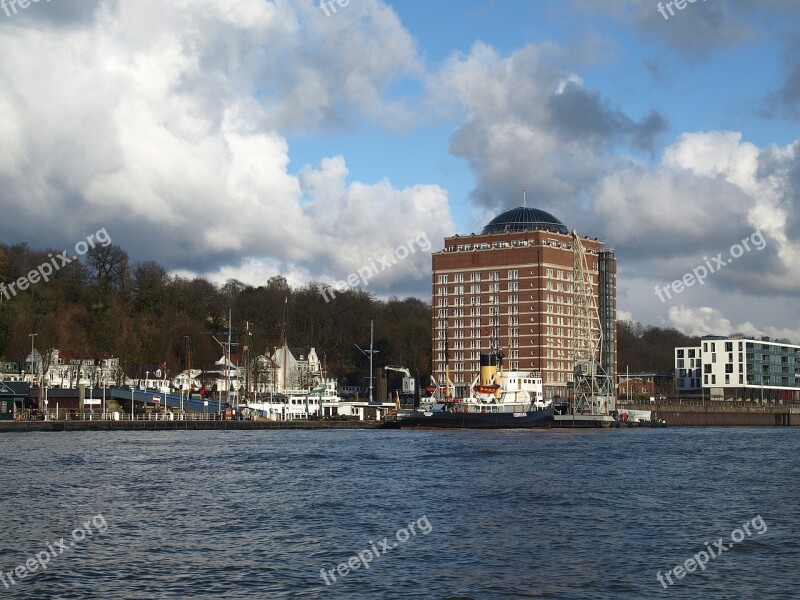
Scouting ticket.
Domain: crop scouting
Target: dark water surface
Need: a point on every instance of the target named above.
(502, 514)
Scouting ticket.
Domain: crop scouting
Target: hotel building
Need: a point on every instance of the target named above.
(740, 368)
(513, 282)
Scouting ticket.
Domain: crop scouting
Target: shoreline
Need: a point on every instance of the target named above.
(188, 425)
(673, 415)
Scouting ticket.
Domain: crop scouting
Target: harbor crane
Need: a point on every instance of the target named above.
(409, 386)
(593, 391)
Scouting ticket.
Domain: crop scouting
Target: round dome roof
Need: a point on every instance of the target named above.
(523, 218)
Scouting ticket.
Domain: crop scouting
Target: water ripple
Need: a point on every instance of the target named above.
(514, 514)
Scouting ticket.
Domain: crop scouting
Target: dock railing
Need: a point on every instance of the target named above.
(66, 415)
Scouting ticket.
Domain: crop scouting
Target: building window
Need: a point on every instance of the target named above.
(513, 274)
(680, 353)
(442, 278)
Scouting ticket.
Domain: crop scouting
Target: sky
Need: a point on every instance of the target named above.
(252, 138)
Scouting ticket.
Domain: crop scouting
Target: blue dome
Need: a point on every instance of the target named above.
(524, 219)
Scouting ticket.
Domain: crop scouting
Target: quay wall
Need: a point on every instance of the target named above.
(687, 415)
(22, 426)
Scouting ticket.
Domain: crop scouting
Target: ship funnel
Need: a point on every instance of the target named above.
(488, 383)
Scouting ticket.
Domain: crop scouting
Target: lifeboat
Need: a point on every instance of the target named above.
(490, 388)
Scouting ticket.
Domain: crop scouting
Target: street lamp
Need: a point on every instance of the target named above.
(33, 366)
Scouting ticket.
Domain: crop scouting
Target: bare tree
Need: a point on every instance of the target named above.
(109, 266)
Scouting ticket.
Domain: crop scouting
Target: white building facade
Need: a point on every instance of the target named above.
(740, 368)
(298, 369)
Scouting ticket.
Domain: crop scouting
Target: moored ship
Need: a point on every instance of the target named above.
(510, 399)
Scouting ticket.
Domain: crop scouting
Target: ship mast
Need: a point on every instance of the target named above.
(446, 365)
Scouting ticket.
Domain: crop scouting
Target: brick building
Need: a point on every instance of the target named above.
(513, 283)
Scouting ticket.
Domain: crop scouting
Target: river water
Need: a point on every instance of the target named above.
(433, 514)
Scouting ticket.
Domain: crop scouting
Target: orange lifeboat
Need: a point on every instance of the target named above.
(486, 389)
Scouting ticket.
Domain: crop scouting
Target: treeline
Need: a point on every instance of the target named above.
(645, 348)
(104, 305)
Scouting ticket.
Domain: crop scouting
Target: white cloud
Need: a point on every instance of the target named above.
(624, 315)
(166, 122)
(705, 320)
(527, 122)
(710, 191)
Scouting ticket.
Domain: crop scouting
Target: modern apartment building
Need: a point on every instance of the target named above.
(740, 367)
(512, 284)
